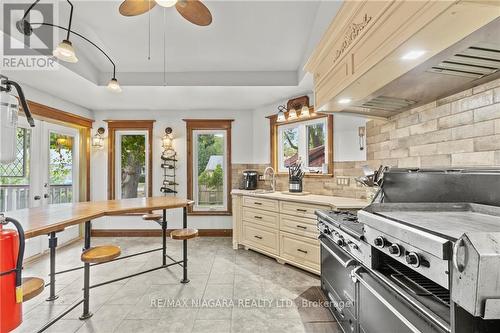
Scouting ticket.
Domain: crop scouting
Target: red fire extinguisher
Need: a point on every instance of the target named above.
(11, 261)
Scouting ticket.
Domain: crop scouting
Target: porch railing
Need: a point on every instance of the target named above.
(14, 197)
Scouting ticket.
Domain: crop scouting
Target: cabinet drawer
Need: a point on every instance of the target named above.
(299, 226)
(300, 209)
(259, 203)
(261, 217)
(260, 237)
(300, 250)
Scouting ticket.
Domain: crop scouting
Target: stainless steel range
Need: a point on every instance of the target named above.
(425, 257)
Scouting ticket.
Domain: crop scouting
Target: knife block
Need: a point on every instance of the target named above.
(295, 185)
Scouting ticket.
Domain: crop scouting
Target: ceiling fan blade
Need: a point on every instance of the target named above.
(194, 11)
(136, 7)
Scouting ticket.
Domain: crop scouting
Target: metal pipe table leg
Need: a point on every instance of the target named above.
(164, 236)
(184, 248)
(86, 275)
(52, 275)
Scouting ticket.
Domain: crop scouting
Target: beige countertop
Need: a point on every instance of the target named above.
(327, 200)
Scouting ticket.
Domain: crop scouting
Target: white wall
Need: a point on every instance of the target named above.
(241, 153)
(36, 95)
(346, 138)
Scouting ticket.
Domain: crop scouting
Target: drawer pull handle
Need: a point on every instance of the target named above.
(258, 203)
(301, 227)
(258, 237)
(258, 217)
(303, 251)
(301, 210)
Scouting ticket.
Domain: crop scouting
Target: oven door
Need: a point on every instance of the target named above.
(337, 284)
(381, 309)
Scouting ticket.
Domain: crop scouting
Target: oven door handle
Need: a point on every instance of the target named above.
(345, 263)
(359, 278)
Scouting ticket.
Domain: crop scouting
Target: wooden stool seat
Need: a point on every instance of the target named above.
(152, 217)
(99, 254)
(182, 234)
(32, 286)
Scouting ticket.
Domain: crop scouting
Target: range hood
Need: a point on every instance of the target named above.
(392, 85)
(470, 62)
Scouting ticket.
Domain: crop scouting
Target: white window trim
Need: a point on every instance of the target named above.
(196, 206)
(302, 143)
(118, 162)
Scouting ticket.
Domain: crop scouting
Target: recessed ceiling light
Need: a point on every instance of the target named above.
(412, 55)
(344, 101)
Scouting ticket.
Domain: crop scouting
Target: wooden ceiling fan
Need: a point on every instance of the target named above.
(192, 10)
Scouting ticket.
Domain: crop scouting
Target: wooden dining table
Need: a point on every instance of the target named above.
(55, 218)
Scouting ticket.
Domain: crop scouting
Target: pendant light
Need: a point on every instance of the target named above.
(304, 112)
(292, 114)
(114, 86)
(166, 3)
(65, 51)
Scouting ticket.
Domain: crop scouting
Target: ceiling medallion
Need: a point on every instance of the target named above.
(353, 32)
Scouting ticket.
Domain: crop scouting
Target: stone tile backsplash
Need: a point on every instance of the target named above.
(460, 130)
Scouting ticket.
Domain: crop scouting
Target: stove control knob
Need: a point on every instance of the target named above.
(379, 242)
(395, 250)
(413, 259)
(340, 242)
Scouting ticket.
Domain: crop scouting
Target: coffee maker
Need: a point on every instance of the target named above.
(250, 179)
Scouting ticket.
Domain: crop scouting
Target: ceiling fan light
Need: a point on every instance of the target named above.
(114, 86)
(65, 52)
(166, 3)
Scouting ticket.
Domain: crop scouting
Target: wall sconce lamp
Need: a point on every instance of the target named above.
(167, 139)
(281, 114)
(97, 139)
(361, 134)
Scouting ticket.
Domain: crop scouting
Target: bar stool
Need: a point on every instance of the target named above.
(152, 217)
(184, 235)
(32, 287)
(100, 254)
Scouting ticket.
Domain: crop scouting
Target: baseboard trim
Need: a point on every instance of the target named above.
(156, 232)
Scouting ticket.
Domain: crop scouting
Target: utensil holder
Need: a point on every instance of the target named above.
(295, 185)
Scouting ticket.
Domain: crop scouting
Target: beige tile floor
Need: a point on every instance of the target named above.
(218, 276)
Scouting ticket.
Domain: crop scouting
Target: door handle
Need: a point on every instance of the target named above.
(37, 197)
(301, 227)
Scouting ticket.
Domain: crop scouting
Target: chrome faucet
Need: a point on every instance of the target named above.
(273, 177)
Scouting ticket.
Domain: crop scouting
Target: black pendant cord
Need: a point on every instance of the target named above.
(70, 20)
(70, 15)
(30, 8)
(82, 37)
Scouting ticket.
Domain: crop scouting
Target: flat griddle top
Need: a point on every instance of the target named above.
(448, 220)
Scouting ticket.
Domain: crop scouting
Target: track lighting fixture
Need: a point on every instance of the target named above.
(65, 51)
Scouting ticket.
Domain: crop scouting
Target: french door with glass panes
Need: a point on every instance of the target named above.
(44, 173)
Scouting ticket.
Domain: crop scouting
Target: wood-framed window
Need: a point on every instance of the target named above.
(309, 139)
(208, 144)
(130, 158)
